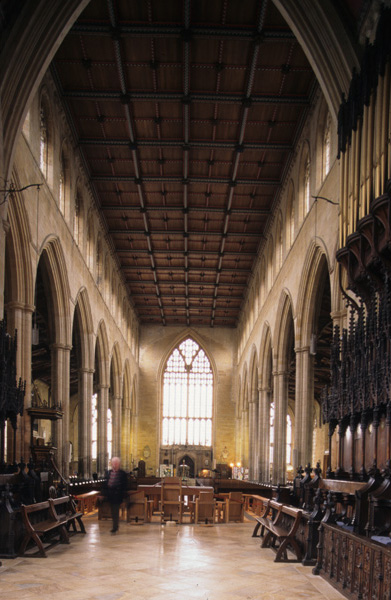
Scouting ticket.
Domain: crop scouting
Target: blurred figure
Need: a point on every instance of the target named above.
(115, 489)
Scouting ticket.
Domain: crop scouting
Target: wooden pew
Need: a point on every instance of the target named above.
(65, 510)
(48, 523)
(283, 530)
(264, 517)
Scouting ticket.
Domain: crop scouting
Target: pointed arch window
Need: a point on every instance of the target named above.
(307, 186)
(326, 147)
(187, 397)
(43, 140)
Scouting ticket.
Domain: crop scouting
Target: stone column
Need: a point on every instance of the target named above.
(125, 438)
(19, 317)
(117, 404)
(103, 405)
(264, 434)
(61, 354)
(251, 438)
(304, 407)
(246, 450)
(84, 421)
(280, 413)
(238, 438)
(5, 226)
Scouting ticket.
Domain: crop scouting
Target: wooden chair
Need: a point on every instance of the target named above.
(234, 508)
(139, 509)
(171, 503)
(204, 508)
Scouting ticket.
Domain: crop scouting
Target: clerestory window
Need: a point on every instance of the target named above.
(187, 397)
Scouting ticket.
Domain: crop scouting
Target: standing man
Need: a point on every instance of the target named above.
(115, 489)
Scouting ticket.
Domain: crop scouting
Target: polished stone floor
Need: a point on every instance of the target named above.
(160, 562)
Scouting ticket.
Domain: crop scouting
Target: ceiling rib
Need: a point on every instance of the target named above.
(169, 30)
(194, 107)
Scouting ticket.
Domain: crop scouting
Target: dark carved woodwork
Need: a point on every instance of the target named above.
(353, 564)
(11, 391)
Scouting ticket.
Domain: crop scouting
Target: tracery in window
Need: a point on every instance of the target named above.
(326, 147)
(187, 397)
(62, 189)
(307, 186)
(76, 220)
(43, 141)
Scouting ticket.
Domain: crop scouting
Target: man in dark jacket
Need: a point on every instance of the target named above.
(115, 489)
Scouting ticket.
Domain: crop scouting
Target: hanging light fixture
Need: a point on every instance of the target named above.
(35, 332)
(313, 344)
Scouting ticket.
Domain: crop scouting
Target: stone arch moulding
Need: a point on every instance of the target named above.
(285, 309)
(30, 47)
(188, 333)
(310, 276)
(264, 352)
(82, 301)
(253, 378)
(58, 276)
(244, 388)
(102, 350)
(19, 240)
(326, 43)
(116, 365)
(127, 385)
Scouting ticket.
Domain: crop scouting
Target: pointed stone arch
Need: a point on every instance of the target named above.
(116, 371)
(82, 303)
(285, 313)
(265, 400)
(314, 327)
(309, 282)
(254, 415)
(101, 388)
(55, 302)
(35, 38)
(53, 256)
(181, 337)
(115, 397)
(81, 385)
(330, 52)
(102, 353)
(284, 381)
(18, 242)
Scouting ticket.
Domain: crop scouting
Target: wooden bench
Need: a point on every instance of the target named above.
(263, 517)
(86, 503)
(65, 511)
(45, 521)
(282, 529)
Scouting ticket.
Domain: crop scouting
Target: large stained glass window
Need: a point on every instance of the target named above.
(187, 397)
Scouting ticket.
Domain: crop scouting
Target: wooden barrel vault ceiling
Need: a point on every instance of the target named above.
(186, 113)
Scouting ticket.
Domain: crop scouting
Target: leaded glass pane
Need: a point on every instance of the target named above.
(187, 397)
